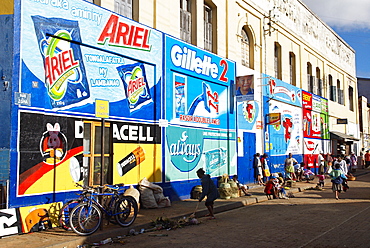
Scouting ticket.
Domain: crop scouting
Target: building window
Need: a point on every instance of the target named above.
(247, 48)
(310, 78)
(350, 98)
(185, 20)
(340, 93)
(123, 7)
(292, 69)
(318, 82)
(277, 60)
(332, 89)
(208, 29)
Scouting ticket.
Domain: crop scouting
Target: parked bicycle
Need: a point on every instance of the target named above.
(86, 217)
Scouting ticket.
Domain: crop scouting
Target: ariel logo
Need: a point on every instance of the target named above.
(61, 67)
(136, 87)
(185, 147)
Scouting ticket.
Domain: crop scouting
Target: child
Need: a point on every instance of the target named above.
(307, 173)
(270, 189)
(279, 185)
(299, 171)
(337, 177)
(241, 187)
(321, 178)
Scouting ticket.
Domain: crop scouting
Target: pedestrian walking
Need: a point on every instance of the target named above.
(353, 159)
(337, 177)
(342, 165)
(361, 161)
(209, 189)
(265, 168)
(320, 162)
(367, 159)
(257, 165)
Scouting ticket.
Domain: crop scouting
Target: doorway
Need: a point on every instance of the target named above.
(92, 158)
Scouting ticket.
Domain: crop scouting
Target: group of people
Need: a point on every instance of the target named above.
(261, 168)
(337, 167)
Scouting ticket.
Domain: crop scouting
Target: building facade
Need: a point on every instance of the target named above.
(177, 86)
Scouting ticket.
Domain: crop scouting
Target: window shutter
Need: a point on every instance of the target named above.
(319, 87)
(185, 25)
(313, 85)
(333, 93)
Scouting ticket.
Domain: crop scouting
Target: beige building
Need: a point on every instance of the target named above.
(284, 39)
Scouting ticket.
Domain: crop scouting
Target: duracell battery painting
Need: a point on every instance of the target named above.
(133, 159)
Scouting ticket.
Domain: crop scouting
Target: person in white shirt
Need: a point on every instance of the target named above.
(342, 164)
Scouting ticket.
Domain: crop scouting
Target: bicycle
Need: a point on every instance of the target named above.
(64, 213)
(86, 217)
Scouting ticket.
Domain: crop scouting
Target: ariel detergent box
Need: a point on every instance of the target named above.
(65, 75)
(136, 85)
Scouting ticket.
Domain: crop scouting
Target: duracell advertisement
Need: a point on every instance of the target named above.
(126, 132)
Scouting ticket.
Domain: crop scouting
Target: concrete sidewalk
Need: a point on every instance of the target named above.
(58, 237)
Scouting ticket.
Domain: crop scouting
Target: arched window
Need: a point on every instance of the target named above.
(247, 48)
(210, 26)
(123, 7)
(277, 60)
(292, 68)
(318, 82)
(332, 89)
(185, 20)
(310, 78)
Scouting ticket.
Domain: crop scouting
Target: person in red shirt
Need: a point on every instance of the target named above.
(367, 159)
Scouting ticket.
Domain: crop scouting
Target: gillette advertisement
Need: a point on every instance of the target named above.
(199, 85)
(200, 110)
(75, 52)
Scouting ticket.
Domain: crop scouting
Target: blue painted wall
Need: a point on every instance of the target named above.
(6, 58)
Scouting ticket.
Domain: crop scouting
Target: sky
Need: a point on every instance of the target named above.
(350, 19)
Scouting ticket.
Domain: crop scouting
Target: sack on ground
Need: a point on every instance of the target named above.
(134, 193)
(152, 195)
(147, 197)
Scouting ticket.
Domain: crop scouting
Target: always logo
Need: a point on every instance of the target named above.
(185, 147)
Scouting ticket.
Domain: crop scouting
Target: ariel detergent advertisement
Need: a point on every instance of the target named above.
(71, 54)
(75, 52)
(200, 112)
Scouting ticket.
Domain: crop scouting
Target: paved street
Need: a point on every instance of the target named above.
(310, 219)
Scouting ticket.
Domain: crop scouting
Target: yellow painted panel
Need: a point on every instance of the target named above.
(46, 213)
(45, 184)
(150, 166)
(7, 7)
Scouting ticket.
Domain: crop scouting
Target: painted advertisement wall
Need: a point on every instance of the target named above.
(200, 113)
(283, 135)
(315, 127)
(249, 120)
(111, 58)
(73, 53)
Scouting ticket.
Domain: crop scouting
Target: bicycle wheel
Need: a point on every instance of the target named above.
(126, 210)
(85, 218)
(63, 217)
